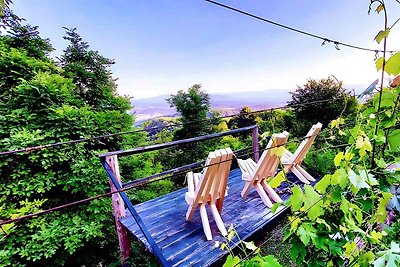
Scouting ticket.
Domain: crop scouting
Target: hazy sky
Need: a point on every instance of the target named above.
(166, 45)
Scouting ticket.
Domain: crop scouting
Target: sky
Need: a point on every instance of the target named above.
(162, 46)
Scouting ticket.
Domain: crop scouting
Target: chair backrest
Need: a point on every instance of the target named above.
(305, 145)
(213, 179)
(268, 162)
(219, 186)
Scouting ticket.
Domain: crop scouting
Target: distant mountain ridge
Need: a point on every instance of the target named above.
(227, 103)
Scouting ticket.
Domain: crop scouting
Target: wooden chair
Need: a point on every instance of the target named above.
(209, 186)
(257, 174)
(292, 161)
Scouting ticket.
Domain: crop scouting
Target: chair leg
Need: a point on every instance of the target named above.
(218, 220)
(271, 192)
(204, 221)
(263, 195)
(190, 213)
(305, 173)
(299, 175)
(246, 189)
(219, 204)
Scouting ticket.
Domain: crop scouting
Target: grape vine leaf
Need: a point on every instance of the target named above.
(297, 198)
(275, 206)
(381, 35)
(231, 261)
(250, 245)
(338, 158)
(394, 140)
(390, 257)
(381, 214)
(340, 178)
(379, 63)
(277, 180)
(323, 184)
(364, 145)
(392, 66)
(312, 202)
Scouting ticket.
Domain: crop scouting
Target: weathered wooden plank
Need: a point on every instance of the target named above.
(183, 243)
(119, 211)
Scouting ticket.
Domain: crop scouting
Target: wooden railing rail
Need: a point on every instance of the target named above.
(138, 150)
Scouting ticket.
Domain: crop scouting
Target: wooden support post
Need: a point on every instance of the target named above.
(256, 147)
(119, 210)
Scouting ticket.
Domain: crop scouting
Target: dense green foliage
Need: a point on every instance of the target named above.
(245, 118)
(326, 98)
(193, 105)
(40, 104)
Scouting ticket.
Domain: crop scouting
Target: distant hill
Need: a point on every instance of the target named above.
(227, 103)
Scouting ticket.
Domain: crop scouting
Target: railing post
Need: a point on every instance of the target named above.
(256, 147)
(119, 210)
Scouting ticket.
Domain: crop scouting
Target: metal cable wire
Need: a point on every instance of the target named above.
(324, 39)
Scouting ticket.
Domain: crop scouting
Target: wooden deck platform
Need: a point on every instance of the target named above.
(184, 243)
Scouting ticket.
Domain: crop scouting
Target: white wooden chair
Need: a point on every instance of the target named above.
(293, 161)
(209, 186)
(257, 174)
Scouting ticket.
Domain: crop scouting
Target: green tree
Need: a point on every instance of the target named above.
(308, 109)
(40, 104)
(193, 105)
(245, 118)
(90, 72)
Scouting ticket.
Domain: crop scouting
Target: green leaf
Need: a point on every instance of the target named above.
(340, 178)
(275, 206)
(350, 248)
(303, 235)
(380, 163)
(362, 180)
(394, 140)
(366, 259)
(336, 194)
(312, 202)
(298, 252)
(323, 184)
(277, 180)
(364, 145)
(392, 66)
(250, 245)
(335, 123)
(270, 261)
(231, 233)
(231, 261)
(354, 132)
(381, 35)
(390, 257)
(278, 151)
(295, 223)
(297, 198)
(381, 214)
(338, 159)
(376, 237)
(379, 63)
